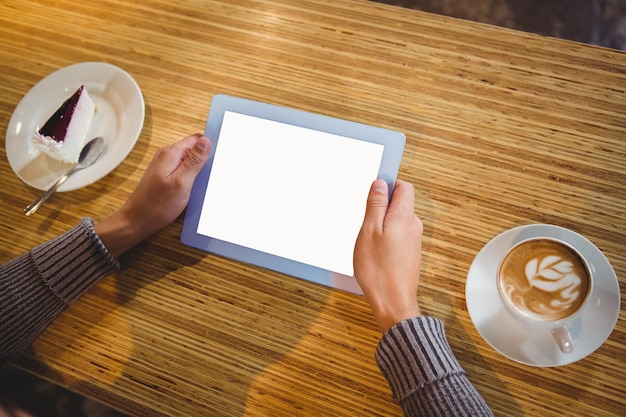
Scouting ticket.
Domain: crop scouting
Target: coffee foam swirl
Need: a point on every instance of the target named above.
(551, 286)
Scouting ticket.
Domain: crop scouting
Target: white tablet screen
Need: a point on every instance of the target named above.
(289, 191)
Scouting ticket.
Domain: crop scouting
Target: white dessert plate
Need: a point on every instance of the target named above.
(119, 119)
(536, 346)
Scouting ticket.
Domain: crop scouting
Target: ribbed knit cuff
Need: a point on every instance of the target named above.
(72, 262)
(424, 376)
(415, 350)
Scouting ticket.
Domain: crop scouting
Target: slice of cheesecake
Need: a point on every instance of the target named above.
(64, 133)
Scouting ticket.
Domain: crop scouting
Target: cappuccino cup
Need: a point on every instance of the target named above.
(545, 282)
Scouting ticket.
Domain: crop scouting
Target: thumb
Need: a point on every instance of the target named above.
(197, 156)
(377, 202)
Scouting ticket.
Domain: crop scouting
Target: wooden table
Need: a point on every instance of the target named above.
(503, 129)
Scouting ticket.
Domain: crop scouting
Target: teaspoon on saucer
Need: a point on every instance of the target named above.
(88, 155)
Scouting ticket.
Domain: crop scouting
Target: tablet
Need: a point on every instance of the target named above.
(286, 189)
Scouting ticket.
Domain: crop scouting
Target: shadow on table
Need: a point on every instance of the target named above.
(225, 367)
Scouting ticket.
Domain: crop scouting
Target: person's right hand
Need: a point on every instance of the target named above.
(387, 254)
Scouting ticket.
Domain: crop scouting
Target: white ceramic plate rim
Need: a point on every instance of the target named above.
(120, 112)
(535, 346)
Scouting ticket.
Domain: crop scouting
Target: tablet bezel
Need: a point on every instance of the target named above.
(392, 141)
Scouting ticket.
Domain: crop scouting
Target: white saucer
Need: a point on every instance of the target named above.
(119, 119)
(536, 346)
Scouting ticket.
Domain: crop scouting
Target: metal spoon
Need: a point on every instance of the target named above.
(88, 155)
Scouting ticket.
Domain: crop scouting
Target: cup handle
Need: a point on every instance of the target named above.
(563, 339)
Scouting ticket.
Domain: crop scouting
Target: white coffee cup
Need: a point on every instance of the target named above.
(545, 283)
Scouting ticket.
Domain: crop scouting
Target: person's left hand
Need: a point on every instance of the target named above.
(160, 197)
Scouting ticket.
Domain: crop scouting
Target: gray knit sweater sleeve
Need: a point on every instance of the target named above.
(424, 376)
(36, 287)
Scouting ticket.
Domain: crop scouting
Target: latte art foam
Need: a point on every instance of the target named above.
(544, 280)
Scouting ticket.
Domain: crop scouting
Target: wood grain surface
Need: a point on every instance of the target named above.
(503, 129)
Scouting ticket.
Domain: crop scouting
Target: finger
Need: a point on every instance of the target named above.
(168, 158)
(184, 146)
(402, 199)
(377, 202)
